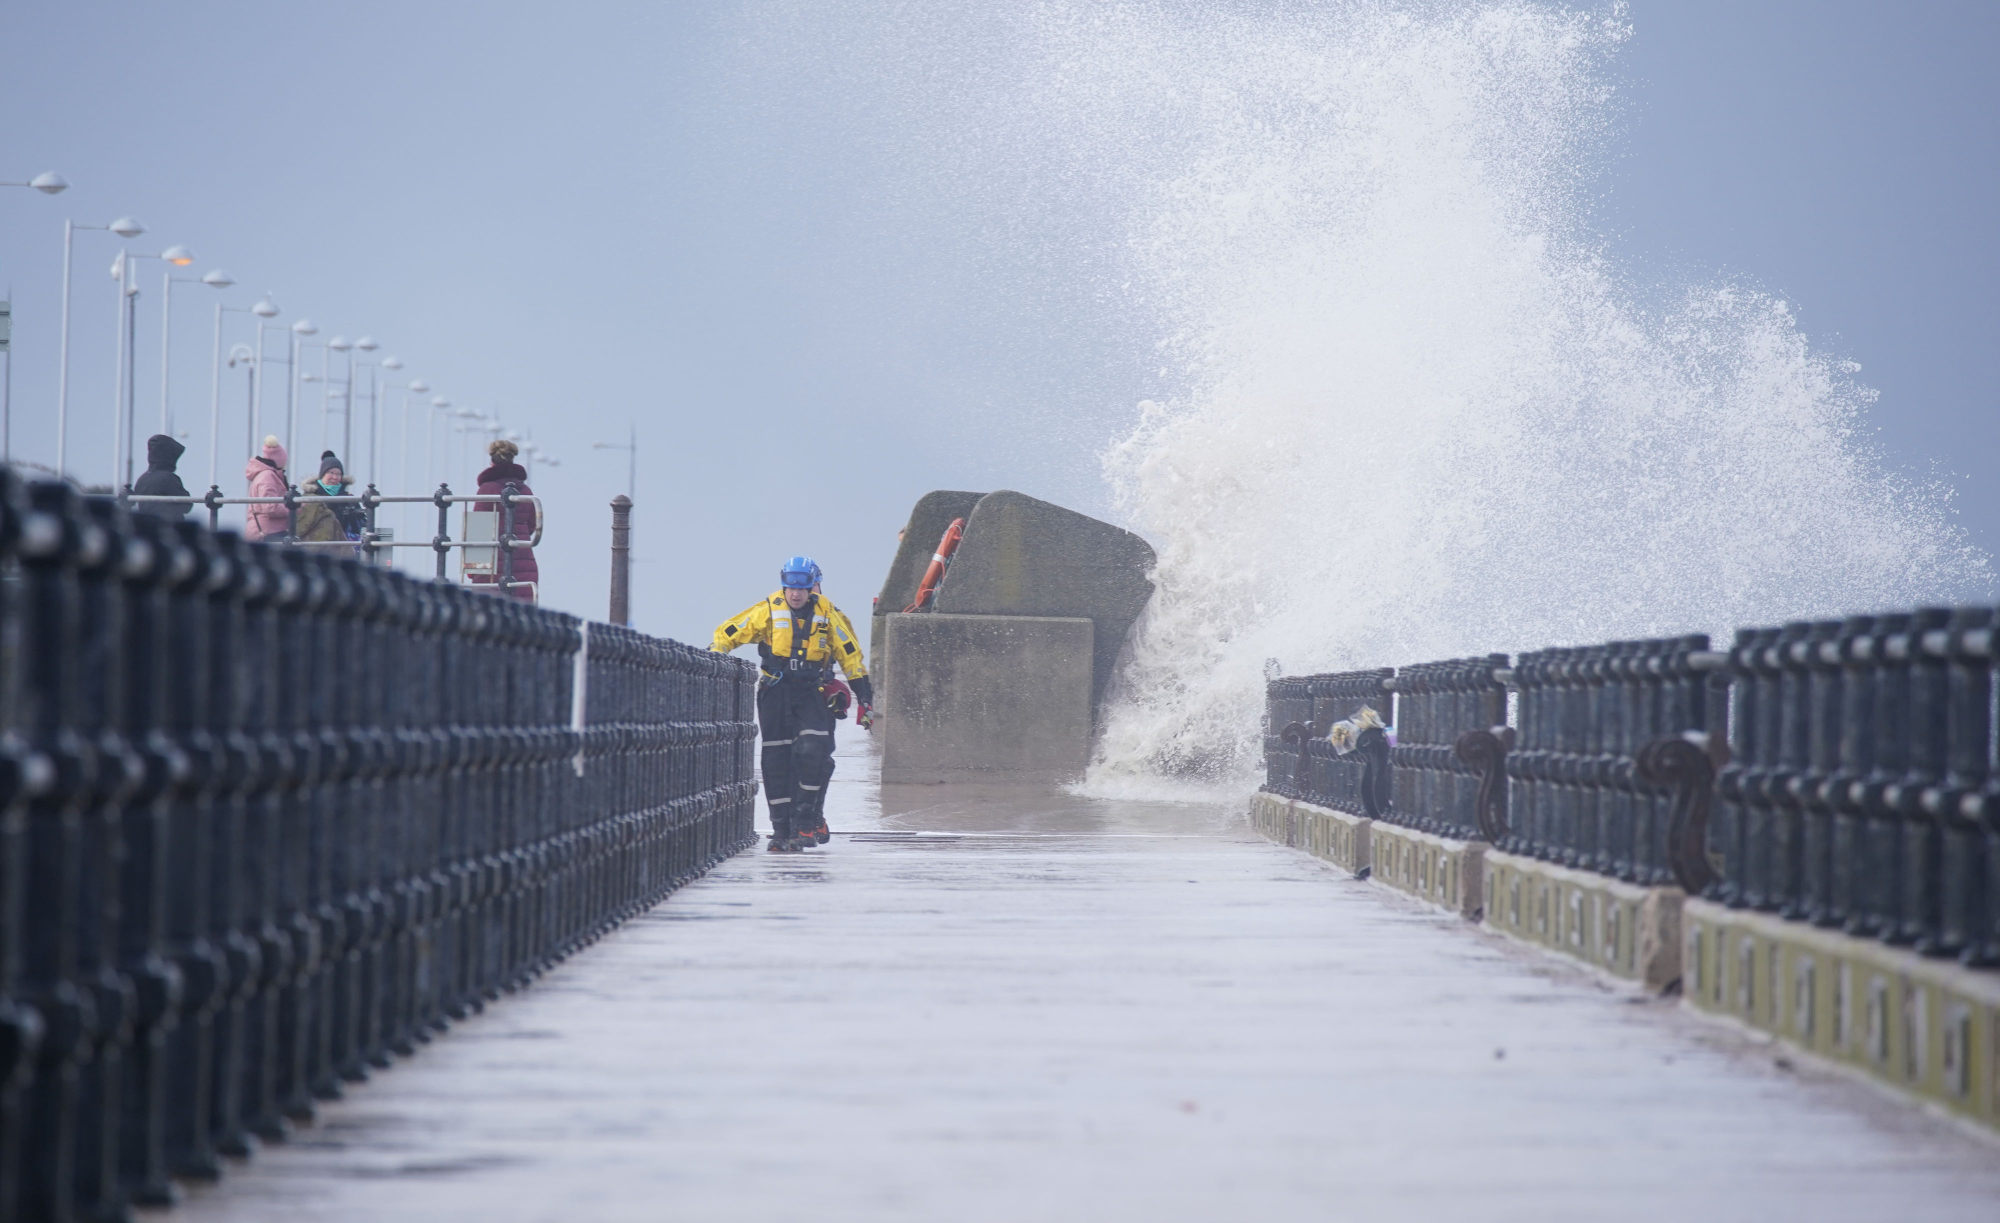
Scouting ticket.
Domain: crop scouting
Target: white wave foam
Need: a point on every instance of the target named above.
(1413, 408)
(1423, 415)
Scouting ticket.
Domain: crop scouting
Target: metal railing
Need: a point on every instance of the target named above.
(1840, 772)
(270, 818)
(373, 540)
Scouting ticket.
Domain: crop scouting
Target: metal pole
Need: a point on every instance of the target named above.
(403, 453)
(506, 537)
(374, 424)
(131, 392)
(7, 409)
(325, 395)
(257, 391)
(621, 560)
(166, 346)
(62, 370)
(126, 292)
(215, 398)
(118, 382)
(441, 542)
(292, 403)
(347, 413)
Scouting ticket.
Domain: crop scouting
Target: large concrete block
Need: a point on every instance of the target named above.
(1025, 557)
(1005, 698)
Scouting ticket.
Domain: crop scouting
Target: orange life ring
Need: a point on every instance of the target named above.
(940, 561)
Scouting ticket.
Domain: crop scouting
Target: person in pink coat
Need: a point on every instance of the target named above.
(266, 475)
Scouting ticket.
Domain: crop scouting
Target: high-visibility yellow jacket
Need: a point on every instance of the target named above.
(773, 627)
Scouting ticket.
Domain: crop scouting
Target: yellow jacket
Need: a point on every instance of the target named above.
(771, 625)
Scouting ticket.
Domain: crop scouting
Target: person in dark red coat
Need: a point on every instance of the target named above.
(495, 479)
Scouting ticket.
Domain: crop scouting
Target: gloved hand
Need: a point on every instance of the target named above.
(838, 696)
(865, 717)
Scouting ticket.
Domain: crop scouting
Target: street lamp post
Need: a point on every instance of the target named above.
(264, 309)
(418, 386)
(365, 344)
(300, 330)
(375, 388)
(442, 406)
(49, 183)
(122, 422)
(631, 449)
(344, 346)
(217, 279)
(124, 227)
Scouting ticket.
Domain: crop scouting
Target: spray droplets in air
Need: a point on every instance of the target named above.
(1404, 404)
(1418, 415)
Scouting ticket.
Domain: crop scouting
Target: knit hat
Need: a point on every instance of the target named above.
(328, 460)
(273, 451)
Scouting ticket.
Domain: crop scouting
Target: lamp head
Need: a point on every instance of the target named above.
(304, 327)
(218, 279)
(50, 183)
(367, 344)
(179, 256)
(440, 403)
(392, 363)
(127, 227)
(419, 386)
(266, 308)
(240, 353)
(339, 343)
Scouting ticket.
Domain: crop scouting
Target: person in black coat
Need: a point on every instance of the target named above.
(160, 480)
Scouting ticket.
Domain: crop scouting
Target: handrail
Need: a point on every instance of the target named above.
(369, 499)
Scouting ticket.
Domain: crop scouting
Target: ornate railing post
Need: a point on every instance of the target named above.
(1919, 912)
(1965, 646)
(1844, 793)
(51, 546)
(155, 565)
(109, 549)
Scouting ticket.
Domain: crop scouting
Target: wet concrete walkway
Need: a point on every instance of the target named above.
(1006, 1006)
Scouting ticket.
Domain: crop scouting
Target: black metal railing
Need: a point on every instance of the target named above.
(1301, 761)
(1576, 795)
(1859, 787)
(1436, 790)
(268, 818)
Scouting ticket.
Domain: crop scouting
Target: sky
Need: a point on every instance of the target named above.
(601, 217)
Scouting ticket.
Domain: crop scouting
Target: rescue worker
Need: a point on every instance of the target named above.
(800, 638)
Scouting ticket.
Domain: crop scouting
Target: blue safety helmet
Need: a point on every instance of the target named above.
(799, 573)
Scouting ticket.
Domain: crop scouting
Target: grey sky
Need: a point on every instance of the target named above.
(595, 214)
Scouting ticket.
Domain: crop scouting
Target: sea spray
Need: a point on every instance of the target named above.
(1421, 414)
(1402, 403)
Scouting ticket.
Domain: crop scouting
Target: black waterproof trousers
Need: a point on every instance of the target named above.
(798, 753)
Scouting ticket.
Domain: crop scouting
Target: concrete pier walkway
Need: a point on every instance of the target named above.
(1006, 1006)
